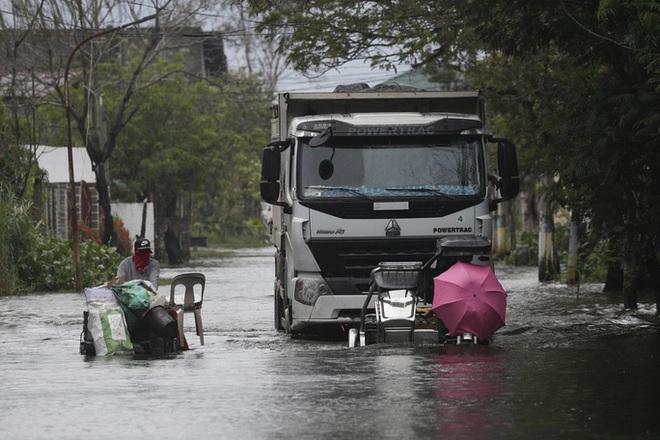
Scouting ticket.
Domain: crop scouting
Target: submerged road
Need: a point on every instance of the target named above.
(563, 367)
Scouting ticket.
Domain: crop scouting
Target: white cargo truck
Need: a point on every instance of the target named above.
(360, 178)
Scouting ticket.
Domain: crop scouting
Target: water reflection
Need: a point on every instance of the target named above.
(397, 391)
(563, 367)
(469, 389)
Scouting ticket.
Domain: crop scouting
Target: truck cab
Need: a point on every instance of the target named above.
(356, 179)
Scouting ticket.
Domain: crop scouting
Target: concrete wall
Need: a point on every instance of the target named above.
(131, 215)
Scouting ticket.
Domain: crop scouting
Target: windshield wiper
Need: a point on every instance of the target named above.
(340, 188)
(435, 192)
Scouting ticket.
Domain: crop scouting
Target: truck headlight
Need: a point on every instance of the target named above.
(308, 289)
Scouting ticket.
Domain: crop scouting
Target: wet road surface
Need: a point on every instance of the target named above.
(563, 367)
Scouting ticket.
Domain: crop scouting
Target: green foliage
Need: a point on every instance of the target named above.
(202, 139)
(574, 84)
(50, 267)
(592, 266)
(123, 244)
(199, 139)
(31, 261)
(99, 263)
(320, 34)
(17, 237)
(17, 170)
(530, 239)
(585, 125)
(161, 152)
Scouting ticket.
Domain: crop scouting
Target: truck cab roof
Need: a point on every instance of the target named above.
(386, 123)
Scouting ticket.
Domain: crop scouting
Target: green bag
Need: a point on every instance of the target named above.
(107, 323)
(115, 332)
(134, 299)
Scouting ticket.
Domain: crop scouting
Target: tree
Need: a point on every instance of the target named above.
(60, 26)
(18, 130)
(161, 153)
(199, 139)
(573, 83)
(596, 91)
(323, 34)
(240, 117)
(254, 53)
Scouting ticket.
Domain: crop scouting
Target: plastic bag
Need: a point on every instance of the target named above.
(107, 323)
(135, 298)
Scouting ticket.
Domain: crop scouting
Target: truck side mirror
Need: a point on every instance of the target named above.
(270, 173)
(270, 163)
(270, 191)
(507, 160)
(509, 187)
(507, 164)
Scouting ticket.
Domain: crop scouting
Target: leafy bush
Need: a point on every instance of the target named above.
(123, 237)
(531, 239)
(86, 232)
(593, 263)
(99, 263)
(50, 266)
(123, 245)
(32, 261)
(17, 236)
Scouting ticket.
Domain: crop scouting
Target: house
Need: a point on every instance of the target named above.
(55, 162)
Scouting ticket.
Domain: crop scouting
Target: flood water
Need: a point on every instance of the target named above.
(565, 366)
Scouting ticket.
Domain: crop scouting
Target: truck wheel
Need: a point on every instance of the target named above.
(287, 319)
(278, 308)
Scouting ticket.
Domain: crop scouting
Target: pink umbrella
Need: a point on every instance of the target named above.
(469, 299)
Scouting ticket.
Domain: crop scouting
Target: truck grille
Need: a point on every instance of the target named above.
(364, 209)
(347, 266)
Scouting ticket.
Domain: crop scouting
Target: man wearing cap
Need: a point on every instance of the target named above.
(140, 266)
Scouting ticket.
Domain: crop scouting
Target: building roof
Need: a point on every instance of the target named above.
(55, 161)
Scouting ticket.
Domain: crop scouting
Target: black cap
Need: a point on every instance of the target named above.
(142, 243)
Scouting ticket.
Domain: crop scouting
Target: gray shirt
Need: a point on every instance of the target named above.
(127, 270)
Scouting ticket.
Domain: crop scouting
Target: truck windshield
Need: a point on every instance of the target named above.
(349, 167)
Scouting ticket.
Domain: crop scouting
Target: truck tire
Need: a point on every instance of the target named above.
(279, 302)
(278, 312)
(287, 320)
